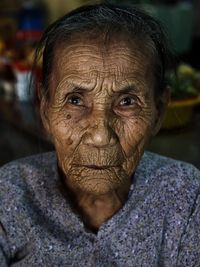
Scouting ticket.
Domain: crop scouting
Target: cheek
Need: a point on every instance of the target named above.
(134, 135)
(66, 132)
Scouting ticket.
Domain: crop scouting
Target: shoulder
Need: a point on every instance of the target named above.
(24, 188)
(18, 176)
(172, 195)
(15, 169)
(170, 179)
(157, 165)
(31, 161)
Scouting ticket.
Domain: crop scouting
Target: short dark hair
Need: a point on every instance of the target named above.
(101, 19)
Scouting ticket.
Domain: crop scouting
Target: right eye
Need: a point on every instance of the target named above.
(75, 100)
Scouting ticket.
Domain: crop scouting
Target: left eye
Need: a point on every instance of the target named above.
(127, 101)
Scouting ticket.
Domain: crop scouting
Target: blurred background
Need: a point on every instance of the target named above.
(21, 25)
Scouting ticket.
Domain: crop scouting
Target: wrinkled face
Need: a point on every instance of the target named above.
(101, 113)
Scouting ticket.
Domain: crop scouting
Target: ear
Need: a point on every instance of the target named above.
(161, 106)
(44, 113)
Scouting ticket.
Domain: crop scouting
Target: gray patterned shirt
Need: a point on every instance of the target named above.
(159, 225)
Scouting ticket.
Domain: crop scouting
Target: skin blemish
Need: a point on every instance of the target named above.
(69, 116)
(69, 141)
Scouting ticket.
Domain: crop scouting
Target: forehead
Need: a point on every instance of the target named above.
(89, 61)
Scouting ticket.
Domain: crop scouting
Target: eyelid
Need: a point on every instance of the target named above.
(70, 94)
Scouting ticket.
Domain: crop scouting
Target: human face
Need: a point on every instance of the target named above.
(101, 113)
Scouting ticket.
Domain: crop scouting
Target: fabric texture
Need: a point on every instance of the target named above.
(159, 225)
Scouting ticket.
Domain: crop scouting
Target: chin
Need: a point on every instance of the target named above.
(96, 183)
(96, 187)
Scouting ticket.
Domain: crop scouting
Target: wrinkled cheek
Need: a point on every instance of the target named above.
(62, 136)
(134, 144)
(64, 151)
(137, 138)
(134, 147)
(64, 145)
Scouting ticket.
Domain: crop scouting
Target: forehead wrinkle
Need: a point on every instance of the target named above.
(108, 84)
(83, 51)
(124, 55)
(122, 66)
(74, 49)
(78, 62)
(74, 78)
(131, 85)
(65, 86)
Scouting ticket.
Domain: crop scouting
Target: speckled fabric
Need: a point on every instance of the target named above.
(158, 226)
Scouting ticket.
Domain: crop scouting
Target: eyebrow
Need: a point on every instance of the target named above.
(79, 88)
(128, 89)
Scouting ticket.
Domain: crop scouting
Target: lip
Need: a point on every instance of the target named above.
(97, 167)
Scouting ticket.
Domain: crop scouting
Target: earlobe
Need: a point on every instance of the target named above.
(161, 106)
(44, 110)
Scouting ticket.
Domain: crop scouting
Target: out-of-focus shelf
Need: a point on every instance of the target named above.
(21, 133)
(181, 143)
(21, 115)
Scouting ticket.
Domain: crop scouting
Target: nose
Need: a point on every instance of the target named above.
(100, 134)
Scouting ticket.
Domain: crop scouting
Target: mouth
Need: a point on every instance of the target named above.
(97, 167)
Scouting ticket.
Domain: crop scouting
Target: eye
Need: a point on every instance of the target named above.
(75, 100)
(127, 104)
(127, 101)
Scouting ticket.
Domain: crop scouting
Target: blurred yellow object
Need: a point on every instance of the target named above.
(185, 70)
(179, 112)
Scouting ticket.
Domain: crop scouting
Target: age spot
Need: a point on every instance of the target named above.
(69, 141)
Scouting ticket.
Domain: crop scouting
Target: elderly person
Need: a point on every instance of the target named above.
(99, 200)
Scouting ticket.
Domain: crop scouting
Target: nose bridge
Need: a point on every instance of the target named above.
(100, 118)
(100, 132)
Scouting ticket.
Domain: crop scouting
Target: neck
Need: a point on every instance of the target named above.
(96, 209)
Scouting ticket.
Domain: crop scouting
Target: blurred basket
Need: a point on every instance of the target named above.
(179, 112)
